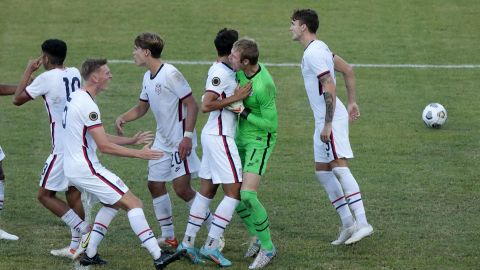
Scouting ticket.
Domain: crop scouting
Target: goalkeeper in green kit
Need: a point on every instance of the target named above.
(255, 138)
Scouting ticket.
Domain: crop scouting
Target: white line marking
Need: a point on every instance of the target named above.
(180, 62)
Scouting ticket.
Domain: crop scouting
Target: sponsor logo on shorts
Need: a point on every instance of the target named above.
(120, 183)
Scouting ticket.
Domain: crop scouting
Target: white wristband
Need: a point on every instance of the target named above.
(188, 134)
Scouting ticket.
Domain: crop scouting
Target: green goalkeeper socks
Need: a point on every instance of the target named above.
(258, 217)
(246, 216)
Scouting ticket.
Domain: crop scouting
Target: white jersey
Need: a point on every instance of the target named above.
(81, 114)
(164, 91)
(2, 154)
(221, 81)
(317, 61)
(55, 86)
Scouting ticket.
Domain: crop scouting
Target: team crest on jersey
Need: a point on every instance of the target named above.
(93, 116)
(158, 88)
(216, 81)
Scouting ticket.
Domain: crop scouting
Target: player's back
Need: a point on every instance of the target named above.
(221, 81)
(80, 114)
(55, 87)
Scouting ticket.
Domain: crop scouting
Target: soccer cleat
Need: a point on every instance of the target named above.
(192, 254)
(7, 236)
(167, 244)
(253, 248)
(66, 252)
(95, 260)
(83, 246)
(345, 234)
(359, 234)
(166, 259)
(215, 256)
(263, 258)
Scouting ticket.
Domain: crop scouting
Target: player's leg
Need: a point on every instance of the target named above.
(324, 153)
(3, 234)
(222, 217)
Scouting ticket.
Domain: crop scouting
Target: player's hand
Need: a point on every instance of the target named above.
(243, 92)
(34, 64)
(119, 125)
(185, 148)
(236, 107)
(353, 111)
(147, 153)
(143, 137)
(325, 134)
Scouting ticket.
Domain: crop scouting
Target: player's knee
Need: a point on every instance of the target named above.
(185, 194)
(248, 197)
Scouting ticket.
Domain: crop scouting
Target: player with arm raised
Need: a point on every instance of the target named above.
(83, 125)
(168, 95)
(331, 143)
(55, 86)
(221, 164)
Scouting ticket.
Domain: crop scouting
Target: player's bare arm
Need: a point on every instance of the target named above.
(349, 77)
(7, 89)
(20, 96)
(108, 147)
(210, 100)
(185, 146)
(139, 138)
(134, 113)
(329, 95)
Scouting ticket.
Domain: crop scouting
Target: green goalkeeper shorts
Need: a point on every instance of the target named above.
(254, 160)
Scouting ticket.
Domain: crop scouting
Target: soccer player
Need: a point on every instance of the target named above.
(3, 234)
(331, 143)
(55, 86)
(83, 125)
(255, 139)
(170, 98)
(221, 164)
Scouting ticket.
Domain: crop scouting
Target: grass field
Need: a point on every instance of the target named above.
(420, 186)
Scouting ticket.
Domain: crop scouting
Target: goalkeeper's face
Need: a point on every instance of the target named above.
(234, 59)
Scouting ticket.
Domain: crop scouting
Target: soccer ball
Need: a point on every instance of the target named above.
(434, 115)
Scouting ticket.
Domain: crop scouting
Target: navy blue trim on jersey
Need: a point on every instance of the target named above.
(156, 73)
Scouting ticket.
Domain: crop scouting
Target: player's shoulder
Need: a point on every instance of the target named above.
(72, 70)
(222, 70)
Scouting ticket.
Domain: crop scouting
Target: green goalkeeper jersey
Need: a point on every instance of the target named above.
(260, 128)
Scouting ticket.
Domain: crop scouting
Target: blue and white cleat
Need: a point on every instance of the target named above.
(192, 254)
(263, 258)
(215, 256)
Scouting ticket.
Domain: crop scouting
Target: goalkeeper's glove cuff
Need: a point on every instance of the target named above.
(244, 114)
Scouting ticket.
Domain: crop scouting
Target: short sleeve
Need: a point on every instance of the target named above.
(178, 84)
(38, 87)
(91, 116)
(318, 62)
(143, 94)
(216, 83)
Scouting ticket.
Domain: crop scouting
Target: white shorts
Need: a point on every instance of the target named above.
(52, 177)
(170, 167)
(339, 145)
(104, 185)
(2, 154)
(221, 161)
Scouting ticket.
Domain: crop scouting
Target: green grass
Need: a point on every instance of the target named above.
(420, 186)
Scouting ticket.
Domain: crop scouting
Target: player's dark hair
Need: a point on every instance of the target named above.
(56, 50)
(152, 42)
(90, 66)
(224, 41)
(248, 49)
(308, 17)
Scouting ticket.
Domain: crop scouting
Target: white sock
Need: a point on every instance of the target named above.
(163, 211)
(336, 196)
(221, 219)
(75, 242)
(209, 216)
(2, 193)
(75, 222)
(196, 218)
(142, 230)
(104, 216)
(352, 193)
